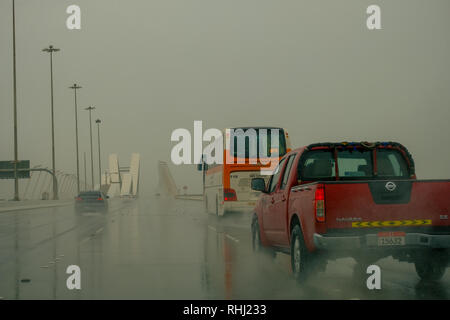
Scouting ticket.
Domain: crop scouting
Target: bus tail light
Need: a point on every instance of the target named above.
(78, 199)
(319, 203)
(100, 199)
(229, 195)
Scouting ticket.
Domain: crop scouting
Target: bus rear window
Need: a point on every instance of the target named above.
(257, 142)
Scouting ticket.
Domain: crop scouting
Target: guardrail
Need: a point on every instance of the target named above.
(64, 183)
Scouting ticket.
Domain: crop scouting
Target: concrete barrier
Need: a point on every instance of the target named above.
(6, 206)
(195, 197)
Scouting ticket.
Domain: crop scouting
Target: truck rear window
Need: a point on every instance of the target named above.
(353, 164)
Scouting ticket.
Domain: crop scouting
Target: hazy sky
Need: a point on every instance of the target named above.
(151, 66)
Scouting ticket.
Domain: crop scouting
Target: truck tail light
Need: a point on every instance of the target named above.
(229, 195)
(319, 203)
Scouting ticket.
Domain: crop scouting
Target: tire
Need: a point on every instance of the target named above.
(299, 256)
(256, 237)
(431, 269)
(217, 207)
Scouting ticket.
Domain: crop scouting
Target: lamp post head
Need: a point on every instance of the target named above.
(75, 86)
(98, 121)
(50, 49)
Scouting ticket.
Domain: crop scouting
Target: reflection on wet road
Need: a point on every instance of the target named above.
(165, 249)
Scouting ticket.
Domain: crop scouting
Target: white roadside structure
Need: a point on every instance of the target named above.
(166, 183)
(114, 174)
(124, 181)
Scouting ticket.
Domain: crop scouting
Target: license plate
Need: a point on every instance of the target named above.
(391, 239)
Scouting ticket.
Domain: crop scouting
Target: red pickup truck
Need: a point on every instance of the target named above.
(357, 199)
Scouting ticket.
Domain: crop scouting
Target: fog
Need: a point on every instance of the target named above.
(150, 67)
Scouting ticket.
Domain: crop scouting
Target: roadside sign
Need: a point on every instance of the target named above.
(9, 165)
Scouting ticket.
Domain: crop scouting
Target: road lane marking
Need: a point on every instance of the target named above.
(226, 234)
(99, 230)
(232, 238)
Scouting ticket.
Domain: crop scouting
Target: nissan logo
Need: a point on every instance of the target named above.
(390, 186)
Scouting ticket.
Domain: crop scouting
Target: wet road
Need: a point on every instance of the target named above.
(160, 249)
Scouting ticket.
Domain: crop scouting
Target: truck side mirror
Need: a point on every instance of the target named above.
(258, 184)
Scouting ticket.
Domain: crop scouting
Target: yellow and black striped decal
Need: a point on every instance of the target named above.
(391, 223)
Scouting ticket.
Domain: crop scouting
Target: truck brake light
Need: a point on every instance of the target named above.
(319, 203)
(229, 194)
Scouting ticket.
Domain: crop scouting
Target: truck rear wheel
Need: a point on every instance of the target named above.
(299, 255)
(431, 270)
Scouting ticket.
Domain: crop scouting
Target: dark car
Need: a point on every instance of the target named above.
(91, 201)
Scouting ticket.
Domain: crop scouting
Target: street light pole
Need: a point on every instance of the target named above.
(85, 177)
(75, 87)
(98, 121)
(16, 152)
(90, 108)
(50, 50)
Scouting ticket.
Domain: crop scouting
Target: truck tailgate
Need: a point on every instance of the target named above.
(387, 204)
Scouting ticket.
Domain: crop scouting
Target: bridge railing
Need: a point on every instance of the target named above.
(40, 184)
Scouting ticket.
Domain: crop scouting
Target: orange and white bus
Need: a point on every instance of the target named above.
(247, 150)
